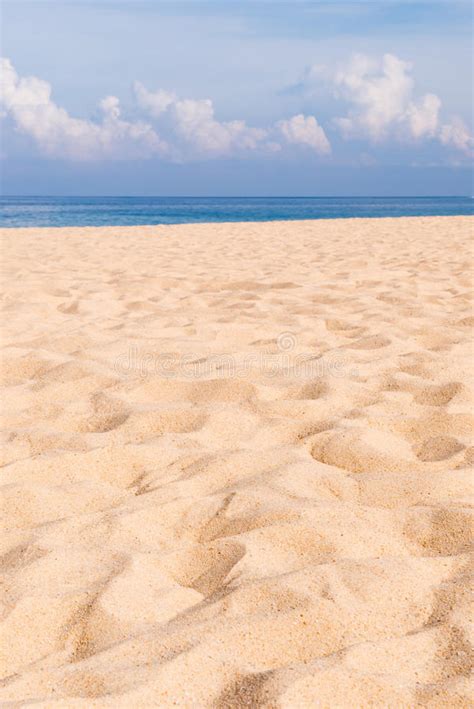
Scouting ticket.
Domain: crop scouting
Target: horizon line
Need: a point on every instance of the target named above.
(210, 196)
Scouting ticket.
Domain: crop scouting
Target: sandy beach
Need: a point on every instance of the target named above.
(236, 464)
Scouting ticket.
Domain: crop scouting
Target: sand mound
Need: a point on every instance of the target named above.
(237, 465)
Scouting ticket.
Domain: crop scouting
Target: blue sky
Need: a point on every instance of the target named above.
(228, 97)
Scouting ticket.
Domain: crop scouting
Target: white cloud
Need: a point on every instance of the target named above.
(154, 103)
(423, 118)
(305, 130)
(57, 134)
(194, 124)
(456, 134)
(383, 104)
(380, 95)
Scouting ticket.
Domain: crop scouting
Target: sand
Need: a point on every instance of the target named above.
(236, 464)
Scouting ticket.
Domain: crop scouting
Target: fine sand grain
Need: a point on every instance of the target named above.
(236, 465)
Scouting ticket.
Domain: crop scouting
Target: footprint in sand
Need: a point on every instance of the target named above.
(360, 450)
(206, 567)
(438, 395)
(375, 342)
(438, 448)
(69, 308)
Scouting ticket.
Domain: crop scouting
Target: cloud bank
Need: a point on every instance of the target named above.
(28, 102)
(306, 131)
(192, 130)
(380, 98)
(194, 122)
(382, 104)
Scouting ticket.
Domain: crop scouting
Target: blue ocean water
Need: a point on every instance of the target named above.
(115, 211)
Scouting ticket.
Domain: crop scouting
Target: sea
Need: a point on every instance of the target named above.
(117, 211)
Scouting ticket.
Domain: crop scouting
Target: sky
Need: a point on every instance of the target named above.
(236, 97)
